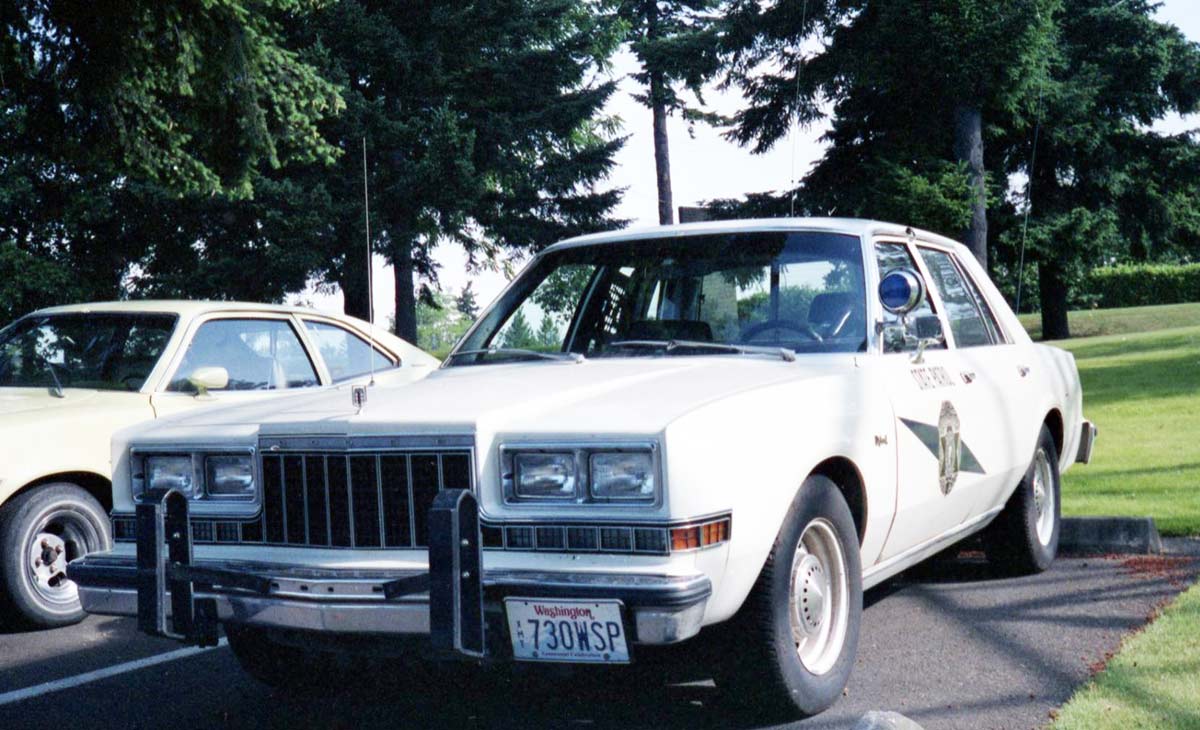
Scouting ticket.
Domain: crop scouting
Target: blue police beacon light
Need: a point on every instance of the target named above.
(901, 291)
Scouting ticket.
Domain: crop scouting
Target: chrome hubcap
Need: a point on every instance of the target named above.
(1043, 497)
(820, 605)
(48, 565)
(58, 537)
(810, 594)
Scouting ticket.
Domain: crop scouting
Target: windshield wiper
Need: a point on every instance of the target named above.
(521, 352)
(670, 346)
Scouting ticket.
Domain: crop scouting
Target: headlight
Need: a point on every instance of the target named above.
(623, 476)
(614, 473)
(229, 477)
(544, 475)
(218, 482)
(172, 472)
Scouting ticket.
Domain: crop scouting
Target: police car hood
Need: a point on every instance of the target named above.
(617, 395)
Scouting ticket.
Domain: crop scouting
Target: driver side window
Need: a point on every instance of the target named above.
(258, 354)
(891, 257)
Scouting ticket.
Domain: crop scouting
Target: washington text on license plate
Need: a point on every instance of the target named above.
(560, 630)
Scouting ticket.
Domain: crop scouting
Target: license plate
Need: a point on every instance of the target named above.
(566, 630)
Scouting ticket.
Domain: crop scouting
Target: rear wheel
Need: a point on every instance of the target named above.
(42, 530)
(1023, 538)
(792, 645)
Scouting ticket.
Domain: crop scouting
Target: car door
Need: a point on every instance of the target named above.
(993, 368)
(263, 354)
(928, 401)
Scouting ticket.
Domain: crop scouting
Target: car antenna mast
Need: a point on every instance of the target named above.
(370, 273)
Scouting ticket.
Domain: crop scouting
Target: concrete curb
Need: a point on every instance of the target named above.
(1121, 535)
(876, 720)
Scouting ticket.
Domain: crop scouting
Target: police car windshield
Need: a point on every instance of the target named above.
(802, 291)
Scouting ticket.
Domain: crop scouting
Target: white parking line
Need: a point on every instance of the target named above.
(58, 685)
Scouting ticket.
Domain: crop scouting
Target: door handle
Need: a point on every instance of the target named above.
(968, 376)
(1023, 370)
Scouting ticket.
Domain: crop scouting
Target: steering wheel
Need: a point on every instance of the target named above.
(133, 382)
(779, 324)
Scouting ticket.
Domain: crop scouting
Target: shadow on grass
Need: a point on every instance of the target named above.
(1134, 344)
(1098, 475)
(1147, 379)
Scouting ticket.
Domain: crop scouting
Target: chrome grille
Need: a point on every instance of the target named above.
(358, 500)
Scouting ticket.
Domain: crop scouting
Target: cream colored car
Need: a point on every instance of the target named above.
(72, 376)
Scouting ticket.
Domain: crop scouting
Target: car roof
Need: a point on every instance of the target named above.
(188, 308)
(853, 226)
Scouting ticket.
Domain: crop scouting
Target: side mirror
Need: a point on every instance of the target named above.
(209, 378)
(901, 291)
(928, 327)
(929, 334)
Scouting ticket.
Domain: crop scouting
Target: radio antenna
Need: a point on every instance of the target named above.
(370, 267)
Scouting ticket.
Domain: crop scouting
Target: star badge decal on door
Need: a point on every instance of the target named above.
(944, 441)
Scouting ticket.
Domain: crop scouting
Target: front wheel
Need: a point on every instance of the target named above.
(42, 530)
(1023, 538)
(794, 640)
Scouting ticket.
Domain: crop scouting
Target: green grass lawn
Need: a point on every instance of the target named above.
(1097, 322)
(1143, 392)
(1153, 682)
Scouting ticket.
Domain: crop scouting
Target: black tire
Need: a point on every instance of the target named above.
(63, 522)
(762, 670)
(1013, 543)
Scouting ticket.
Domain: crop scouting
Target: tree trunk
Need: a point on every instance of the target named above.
(1052, 290)
(662, 162)
(356, 301)
(658, 107)
(406, 299)
(968, 148)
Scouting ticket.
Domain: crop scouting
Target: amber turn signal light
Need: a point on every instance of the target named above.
(704, 534)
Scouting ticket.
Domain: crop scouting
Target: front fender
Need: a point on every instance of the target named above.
(749, 454)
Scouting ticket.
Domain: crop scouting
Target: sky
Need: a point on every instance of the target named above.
(704, 166)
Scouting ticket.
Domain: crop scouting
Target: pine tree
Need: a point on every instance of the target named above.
(518, 334)
(912, 87)
(120, 124)
(548, 336)
(1104, 186)
(466, 303)
(1087, 78)
(484, 126)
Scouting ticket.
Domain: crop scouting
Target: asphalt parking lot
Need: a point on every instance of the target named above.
(950, 647)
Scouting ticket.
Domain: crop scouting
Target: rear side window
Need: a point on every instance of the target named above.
(346, 354)
(967, 322)
(989, 317)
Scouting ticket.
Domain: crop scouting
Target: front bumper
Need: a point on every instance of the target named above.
(659, 609)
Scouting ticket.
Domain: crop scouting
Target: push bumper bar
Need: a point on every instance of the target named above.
(176, 596)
